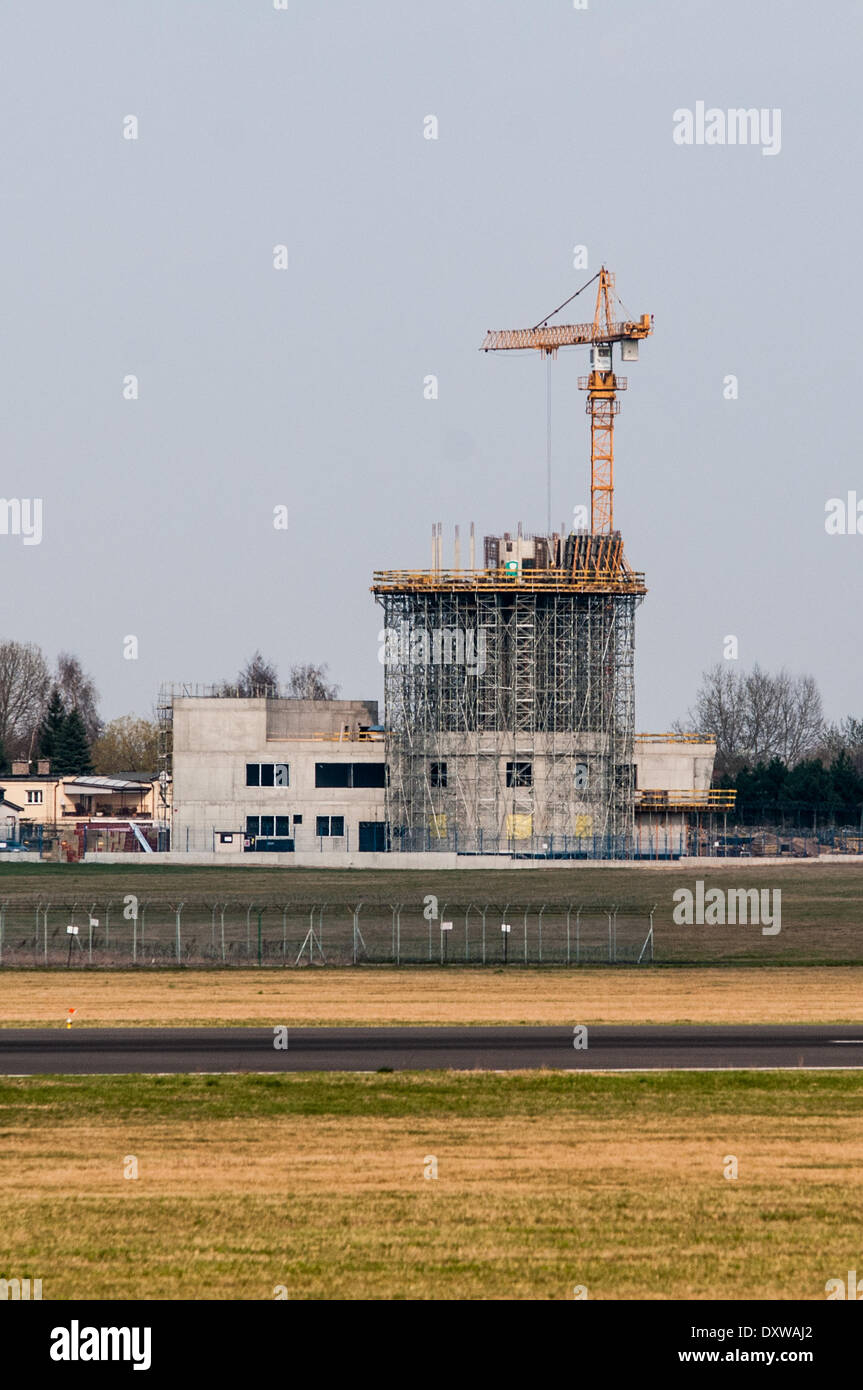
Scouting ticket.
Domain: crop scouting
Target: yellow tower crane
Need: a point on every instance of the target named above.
(601, 385)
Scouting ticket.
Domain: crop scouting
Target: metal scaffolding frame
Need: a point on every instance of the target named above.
(509, 711)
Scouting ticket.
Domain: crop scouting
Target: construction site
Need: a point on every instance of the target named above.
(509, 688)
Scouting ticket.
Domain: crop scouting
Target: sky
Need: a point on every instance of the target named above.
(261, 387)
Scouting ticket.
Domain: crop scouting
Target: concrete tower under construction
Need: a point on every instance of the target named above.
(509, 687)
(509, 699)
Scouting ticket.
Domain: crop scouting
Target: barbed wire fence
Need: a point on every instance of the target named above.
(140, 931)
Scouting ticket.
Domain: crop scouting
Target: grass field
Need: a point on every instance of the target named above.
(706, 994)
(820, 911)
(544, 1182)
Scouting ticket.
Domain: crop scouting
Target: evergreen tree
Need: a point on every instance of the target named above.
(847, 787)
(809, 789)
(72, 748)
(51, 728)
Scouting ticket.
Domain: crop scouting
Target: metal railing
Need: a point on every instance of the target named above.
(618, 579)
(714, 799)
(675, 738)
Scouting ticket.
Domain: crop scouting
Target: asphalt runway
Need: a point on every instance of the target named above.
(97, 1051)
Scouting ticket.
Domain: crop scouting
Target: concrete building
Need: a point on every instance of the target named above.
(298, 777)
(281, 776)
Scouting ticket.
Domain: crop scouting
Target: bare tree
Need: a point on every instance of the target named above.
(24, 684)
(755, 716)
(310, 683)
(799, 717)
(127, 744)
(257, 678)
(719, 710)
(78, 691)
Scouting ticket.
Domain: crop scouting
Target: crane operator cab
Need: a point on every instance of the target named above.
(600, 357)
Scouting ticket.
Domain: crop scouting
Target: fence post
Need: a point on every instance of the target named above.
(484, 911)
(45, 930)
(2, 918)
(222, 925)
(356, 930)
(541, 911)
(525, 935)
(178, 913)
(568, 920)
(260, 944)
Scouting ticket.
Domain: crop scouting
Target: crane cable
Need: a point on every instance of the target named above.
(544, 321)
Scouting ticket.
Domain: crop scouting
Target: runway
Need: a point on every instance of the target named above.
(100, 1051)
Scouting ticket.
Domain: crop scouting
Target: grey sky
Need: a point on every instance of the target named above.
(304, 387)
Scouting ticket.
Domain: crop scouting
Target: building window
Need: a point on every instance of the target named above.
(330, 825)
(268, 775)
(350, 774)
(519, 774)
(268, 826)
(437, 774)
(298, 820)
(34, 798)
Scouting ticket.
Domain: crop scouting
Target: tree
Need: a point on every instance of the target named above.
(72, 750)
(756, 717)
(79, 692)
(809, 786)
(51, 728)
(257, 678)
(24, 682)
(847, 787)
(127, 744)
(309, 683)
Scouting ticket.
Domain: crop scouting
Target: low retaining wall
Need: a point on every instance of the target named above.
(441, 861)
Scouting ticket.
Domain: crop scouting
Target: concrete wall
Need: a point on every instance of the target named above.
(674, 767)
(446, 861)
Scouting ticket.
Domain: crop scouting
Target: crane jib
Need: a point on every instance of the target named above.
(566, 335)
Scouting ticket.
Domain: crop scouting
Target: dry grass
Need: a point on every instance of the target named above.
(543, 1183)
(790, 994)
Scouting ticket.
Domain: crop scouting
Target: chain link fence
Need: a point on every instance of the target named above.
(154, 932)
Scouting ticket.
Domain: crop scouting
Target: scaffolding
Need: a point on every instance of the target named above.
(509, 704)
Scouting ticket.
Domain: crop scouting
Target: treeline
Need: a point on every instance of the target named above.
(770, 791)
(53, 713)
(775, 748)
